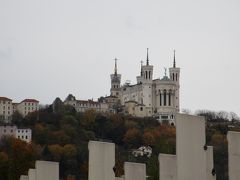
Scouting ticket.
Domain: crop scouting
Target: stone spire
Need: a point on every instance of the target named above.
(147, 58)
(174, 60)
(115, 68)
(141, 68)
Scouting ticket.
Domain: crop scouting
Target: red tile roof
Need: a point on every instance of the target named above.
(5, 99)
(31, 100)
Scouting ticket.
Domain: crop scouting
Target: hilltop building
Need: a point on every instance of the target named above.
(7, 108)
(84, 105)
(149, 97)
(12, 130)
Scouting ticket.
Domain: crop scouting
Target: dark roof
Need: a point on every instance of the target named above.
(5, 99)
(31, 100)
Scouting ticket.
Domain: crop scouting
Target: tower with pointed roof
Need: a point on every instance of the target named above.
(115, 81)
(174, 72)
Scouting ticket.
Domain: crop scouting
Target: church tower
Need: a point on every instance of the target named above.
(147, 77)
(115, 82)
(175, 77)
(147, 71)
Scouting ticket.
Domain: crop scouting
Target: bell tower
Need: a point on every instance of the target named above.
(175, 77)
(115, 81)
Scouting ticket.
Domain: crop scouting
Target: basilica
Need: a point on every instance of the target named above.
(149, 97)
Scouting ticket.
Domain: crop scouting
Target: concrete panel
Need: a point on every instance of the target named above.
(167, 167)
(101, 160)
(47, 170)
(32, 174)
(210, 164)
(23, 177)
(134, 171)
(191, 139)
(234, 155)
(119, 178)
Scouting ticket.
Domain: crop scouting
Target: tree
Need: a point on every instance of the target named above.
(133, 137)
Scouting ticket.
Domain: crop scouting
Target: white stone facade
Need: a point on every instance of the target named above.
(24, 135)
(157, 97)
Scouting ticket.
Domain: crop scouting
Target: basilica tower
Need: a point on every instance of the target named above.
(115, 82)
(175, 77)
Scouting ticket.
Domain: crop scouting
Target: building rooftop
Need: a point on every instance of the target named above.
(5, 99)
(30, 100)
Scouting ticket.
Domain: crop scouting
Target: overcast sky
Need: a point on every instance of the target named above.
(50, 48)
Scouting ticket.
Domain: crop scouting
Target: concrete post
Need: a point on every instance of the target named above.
(210, 164)
(233, 155)
(167, 167)
(134, 171)
(32, 174)
(47, 170)
(101, 160)
(191, 156)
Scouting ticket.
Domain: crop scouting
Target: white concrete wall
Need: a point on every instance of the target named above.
(134, 171)
(23, 177)
(167, 167)
(46, 170)
(191, 157)
(210, 163)
(234, 155)
(32, 174)
(101, 160)
(119, 178)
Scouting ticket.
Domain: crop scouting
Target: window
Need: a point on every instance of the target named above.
(176, 77)
(141, 109)
(4, 130)
(149, 74)
(26, 137)
(11, 130)
(160, 99)
(22, 137)
(169, 99)
(164, 97)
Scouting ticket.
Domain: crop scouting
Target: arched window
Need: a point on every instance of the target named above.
(173, 76)
(169, 98)
(176, 77)
(160, 98)
(164, 97)
(146, 74)
(149, 75)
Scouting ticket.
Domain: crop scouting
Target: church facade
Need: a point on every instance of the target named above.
(149, 97)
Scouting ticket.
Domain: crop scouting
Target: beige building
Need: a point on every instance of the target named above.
(6, 109)
(27, 106)
(153, 97)
(84, 105)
